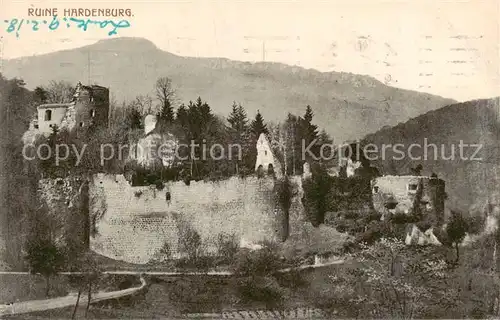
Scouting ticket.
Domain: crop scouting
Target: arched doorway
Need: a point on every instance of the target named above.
(270, 169)
(260, 171)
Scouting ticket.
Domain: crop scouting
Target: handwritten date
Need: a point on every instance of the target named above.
(15, 25)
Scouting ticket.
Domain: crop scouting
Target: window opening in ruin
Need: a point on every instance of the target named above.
(260, 171)
(48, 115)
(92, 113)
(265, 152)
(412, 187)
(270, 169)
(81, 124)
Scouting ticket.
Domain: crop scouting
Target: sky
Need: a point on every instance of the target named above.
(448, 48)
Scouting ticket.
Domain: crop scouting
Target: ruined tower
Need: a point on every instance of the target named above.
(91, 105)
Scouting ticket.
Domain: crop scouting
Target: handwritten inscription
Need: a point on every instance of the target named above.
(15, 25)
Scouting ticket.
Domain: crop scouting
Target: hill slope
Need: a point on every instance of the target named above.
(470, 183)
(348, 106)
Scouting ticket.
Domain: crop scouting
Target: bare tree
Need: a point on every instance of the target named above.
(164, 90)
(166, 95)
(143, 104)
(59, 92)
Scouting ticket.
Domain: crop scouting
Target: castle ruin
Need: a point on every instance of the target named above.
(89, 107)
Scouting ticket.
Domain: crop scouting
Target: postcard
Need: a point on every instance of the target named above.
(249, 159)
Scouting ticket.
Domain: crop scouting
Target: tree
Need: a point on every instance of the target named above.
(316, 192)
(328, 159)
(310, 129)
(165, 94)
(44, 258)
(201, 127)
(92, 273)
(17, 188)
(41, 95)
(238, 118)
(308, 132)
(239, 134)
(143, 104)
(59, 92)
(86, 272)
(133, 118)
(258, 126)
(42, 254)
(182, 116)
(284, 195)
(455, 230)
(293, 144)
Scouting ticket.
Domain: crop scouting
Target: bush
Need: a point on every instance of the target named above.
(475, 224)
(341, 226)
(351, 215)
(375, 231)
(352, 227)
(159, 185)
(265, 261)
(198, 263)
(424, 225)
(44, 257)
(292, 280)
(373, 216)
(260, 289)
(164, 254)
(190, 242)
(227, 247)
(315, 200)
(456, 230)
(402, 218)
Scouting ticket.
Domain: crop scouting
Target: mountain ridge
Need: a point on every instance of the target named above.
(347, 105)
(471, 179)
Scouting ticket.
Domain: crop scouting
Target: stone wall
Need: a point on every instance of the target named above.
(66, 202)
(134, 223)
(69, 120)
(404, 190)
(57, 114)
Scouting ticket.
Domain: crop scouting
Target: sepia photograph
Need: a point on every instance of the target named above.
(215, 159)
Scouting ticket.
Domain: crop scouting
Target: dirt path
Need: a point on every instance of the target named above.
(184, 273)
(62, 302)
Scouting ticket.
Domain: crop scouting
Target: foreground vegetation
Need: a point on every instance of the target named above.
(385, 280)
